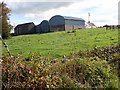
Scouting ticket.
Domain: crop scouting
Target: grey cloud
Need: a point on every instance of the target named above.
(35, 7)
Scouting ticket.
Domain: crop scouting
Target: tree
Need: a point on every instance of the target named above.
(5, 26)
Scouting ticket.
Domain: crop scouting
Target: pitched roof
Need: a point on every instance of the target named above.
(91, 24)
(25, 23)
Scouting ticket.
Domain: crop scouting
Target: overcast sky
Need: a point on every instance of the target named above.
(101, 11)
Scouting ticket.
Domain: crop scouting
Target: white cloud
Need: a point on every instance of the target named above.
(43, 0)
(102, 11)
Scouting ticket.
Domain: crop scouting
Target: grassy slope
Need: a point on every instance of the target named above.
(61, 43)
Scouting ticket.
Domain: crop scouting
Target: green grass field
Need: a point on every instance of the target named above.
(57, 44)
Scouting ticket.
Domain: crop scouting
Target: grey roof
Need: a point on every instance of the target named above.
(61, 20)
(91, 24)
(72, 18)
(25, 24)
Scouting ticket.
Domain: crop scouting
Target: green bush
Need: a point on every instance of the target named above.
(86, 73)
(84, 69)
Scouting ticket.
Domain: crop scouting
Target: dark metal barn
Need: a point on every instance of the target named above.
(43, 27)
(26, 28)
(62, 23)
(38, 29)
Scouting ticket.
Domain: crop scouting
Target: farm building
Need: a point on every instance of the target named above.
(62, 23)
(26, 28)
(90, 25)
(38, 29)
(43, 27)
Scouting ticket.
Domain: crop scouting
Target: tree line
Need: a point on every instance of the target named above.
(5, 26)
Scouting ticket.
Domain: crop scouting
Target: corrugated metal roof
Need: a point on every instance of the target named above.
(68, 20)
(72, 18)
(25, 23)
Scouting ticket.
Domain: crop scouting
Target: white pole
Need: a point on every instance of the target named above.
(88, 17)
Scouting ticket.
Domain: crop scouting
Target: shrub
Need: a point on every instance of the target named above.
(85, 69)
(87, 73)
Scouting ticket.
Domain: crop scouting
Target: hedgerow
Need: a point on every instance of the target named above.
(96, 68)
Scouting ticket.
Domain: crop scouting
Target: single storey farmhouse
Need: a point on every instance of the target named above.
(90, 25)
(26, 28)
(43, 27)
(62, 23)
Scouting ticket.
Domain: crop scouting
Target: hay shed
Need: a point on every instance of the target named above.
(62, 23)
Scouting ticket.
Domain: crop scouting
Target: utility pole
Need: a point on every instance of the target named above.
(88, 17)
